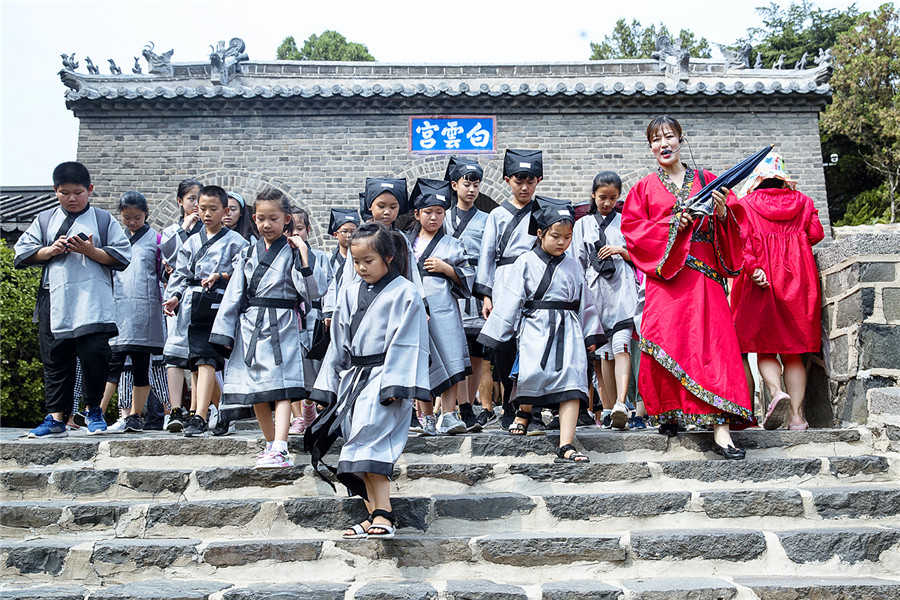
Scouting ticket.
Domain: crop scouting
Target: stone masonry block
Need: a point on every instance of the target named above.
(891, 302)
(876, 271)
(879, 346)
(855, 308)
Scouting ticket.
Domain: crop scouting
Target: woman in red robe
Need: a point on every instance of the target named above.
(777, 303)
(691, 367)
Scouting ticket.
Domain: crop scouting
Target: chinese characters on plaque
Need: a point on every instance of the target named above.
(451, 134)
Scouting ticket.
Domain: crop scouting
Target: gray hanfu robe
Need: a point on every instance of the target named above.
(258, 321)
(173, 238)
(449, 351)
(336, 262)
(317, 285)
(139, 315)
(377, 362)
(505, 239)
(611, 281)
(468, 227)
(545, 303)
(199, 257)
(350, 276)
(79, 289)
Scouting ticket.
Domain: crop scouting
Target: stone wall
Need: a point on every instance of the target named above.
(321, 160)
(860, 278)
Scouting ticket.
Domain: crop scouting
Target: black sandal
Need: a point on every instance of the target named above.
(575, 457)
(518, 428)
(388, 530)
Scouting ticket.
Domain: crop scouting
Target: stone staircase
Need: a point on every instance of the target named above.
(807, 514)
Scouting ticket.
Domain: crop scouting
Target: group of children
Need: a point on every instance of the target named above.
(366, 344)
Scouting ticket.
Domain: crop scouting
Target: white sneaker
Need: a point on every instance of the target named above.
(450, 424)
(619, 416)
(117, 427)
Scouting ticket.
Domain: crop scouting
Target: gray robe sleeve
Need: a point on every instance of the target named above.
(117, 245)
(590, 318)
(228, 315)
(178, 282)
(466, 273)
(311, 281)
(503, 322)
(337, 357)
(487, 262)
(168, 244)
(578, 249)
(28, 243)
(406, 362)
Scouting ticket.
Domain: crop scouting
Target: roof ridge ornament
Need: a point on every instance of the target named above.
(738, 59)
(158, 64)
(226, 61)
(673, 59)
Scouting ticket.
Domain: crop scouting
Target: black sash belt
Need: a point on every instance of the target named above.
(557, 331)
(370, 360)
(267, 306)
(506, 261)
(552, 305)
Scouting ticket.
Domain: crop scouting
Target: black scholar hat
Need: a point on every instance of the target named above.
(523, 161)
(431, 192)
(339, 216)
(363, 209)
(375, 186)
(547, 211)
(460, 167)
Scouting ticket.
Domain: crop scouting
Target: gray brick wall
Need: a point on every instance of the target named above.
(322, 161)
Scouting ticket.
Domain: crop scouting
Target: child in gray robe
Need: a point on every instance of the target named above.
(171, 240)
(77, 246)
(446, 277)
(545, 303)
(599, 247)
(376, 364)
(139, 315)
(465, 222)
(313, 335)
(196, 287)
(256, 325)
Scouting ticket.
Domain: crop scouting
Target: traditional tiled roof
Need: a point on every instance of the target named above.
(368, 80)
(20, 205)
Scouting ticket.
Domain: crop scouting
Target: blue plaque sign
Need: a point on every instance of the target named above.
(444, 135)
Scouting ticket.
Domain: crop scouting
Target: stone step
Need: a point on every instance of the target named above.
(154, 449)
(749, 588)
(522, 558)
(207, 483)
(462, 514)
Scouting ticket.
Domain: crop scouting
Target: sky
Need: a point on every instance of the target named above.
(37, 131)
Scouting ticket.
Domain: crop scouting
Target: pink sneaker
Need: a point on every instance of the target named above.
(297, 426)
(274, 460)
(802, 426)
(778, 409)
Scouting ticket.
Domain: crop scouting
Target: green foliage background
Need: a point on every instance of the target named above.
(329, 45)
(21, 370)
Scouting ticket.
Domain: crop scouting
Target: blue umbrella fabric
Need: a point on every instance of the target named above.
(702, 202)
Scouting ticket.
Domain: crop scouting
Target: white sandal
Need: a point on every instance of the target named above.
(359, 532)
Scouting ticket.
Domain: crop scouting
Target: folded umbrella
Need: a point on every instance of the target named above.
(702, 203)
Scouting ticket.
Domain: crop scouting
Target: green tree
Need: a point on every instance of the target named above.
(636, 41)
(21, 370)
(330, 45)
(798, 29)
(866, 102)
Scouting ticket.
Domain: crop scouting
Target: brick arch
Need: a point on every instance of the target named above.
(434, 167)
(248, 184)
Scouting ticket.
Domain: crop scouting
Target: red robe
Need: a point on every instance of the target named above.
(691, 365)
(779, 228)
